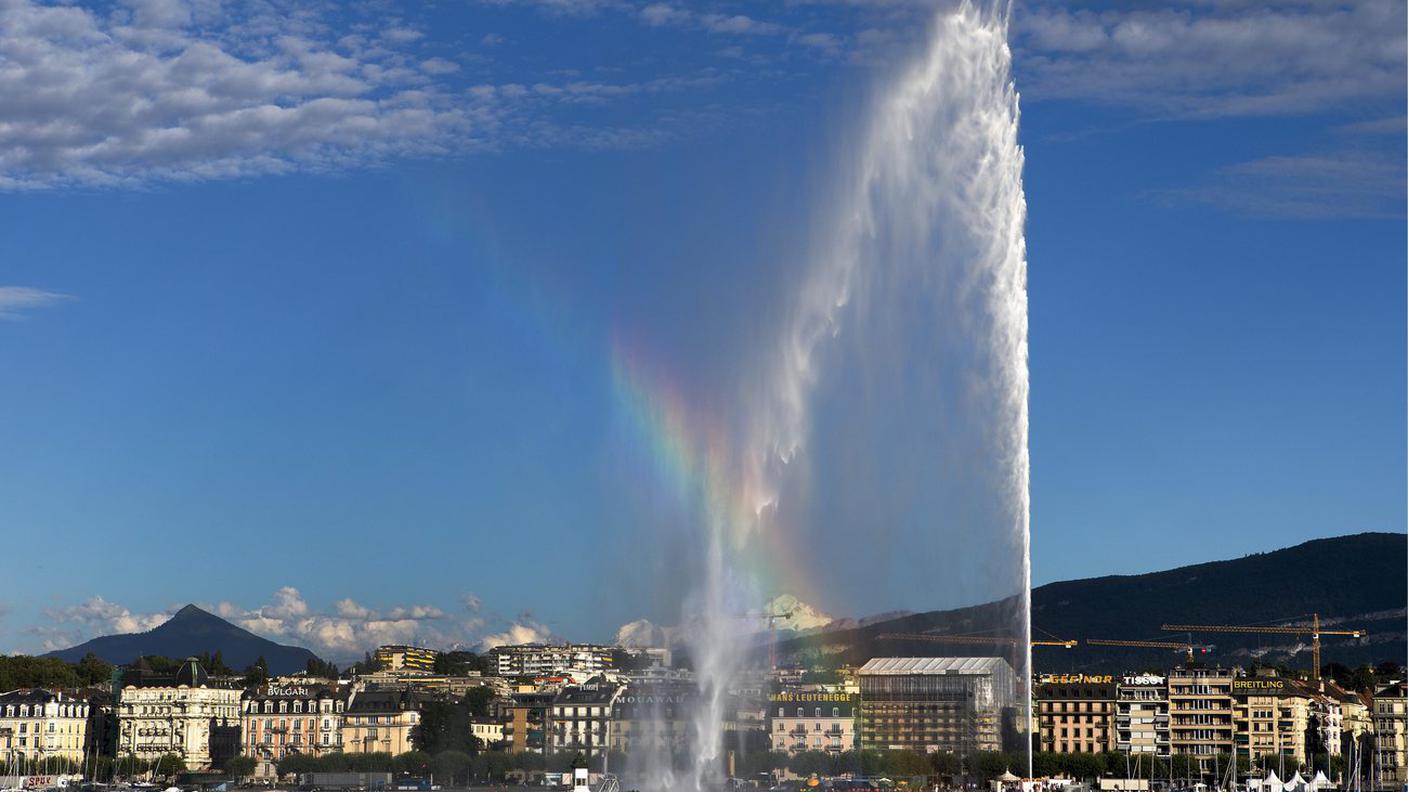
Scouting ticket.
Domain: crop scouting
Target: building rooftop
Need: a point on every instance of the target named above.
(591, 693)
(933, 665)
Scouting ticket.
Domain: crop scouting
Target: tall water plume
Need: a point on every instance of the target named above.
(925, 237)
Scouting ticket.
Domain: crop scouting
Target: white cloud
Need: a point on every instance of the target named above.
(643, 634)
(1354, 183)
(75, 624)
(128, 98)
(659, 14)
(560, 7)
(16, 300)
(1214, 59)
(828, 43)
(523, 630)
(738, 23)
(439, 66)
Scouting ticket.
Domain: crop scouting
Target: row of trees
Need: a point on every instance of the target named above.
(98, 768)
(448, 767)
(23, 671)
(985, 765)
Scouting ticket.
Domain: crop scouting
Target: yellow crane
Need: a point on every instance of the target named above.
(1313, 630)
(1186, 648)
(969, 639)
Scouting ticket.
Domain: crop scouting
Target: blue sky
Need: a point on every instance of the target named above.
(307, 314)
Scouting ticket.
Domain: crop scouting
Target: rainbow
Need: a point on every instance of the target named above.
(695, 461)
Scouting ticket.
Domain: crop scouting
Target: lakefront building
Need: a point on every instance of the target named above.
(185, 715)
(1391, 733)
(401, 659)
(654, 718)
(40, 725)
(279, 720)
(1201, 712)
(580, 720)
(1076, 713)
(380, 721)
(807, 720)
(927, 704)
(537, 660)
(1141, 715)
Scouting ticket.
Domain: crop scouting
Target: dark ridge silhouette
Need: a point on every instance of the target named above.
(190, 632)
(1358, 581)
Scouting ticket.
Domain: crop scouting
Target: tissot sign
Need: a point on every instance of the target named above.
(1143, 679)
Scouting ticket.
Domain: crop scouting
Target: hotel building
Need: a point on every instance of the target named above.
(278, 720)
(185, 715)
(812, 721)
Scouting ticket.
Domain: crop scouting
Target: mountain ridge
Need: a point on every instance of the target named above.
(1358, 578)
(192, 631)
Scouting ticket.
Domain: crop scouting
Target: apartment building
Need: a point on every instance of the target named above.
(1201, 712)
(1391, 733)
(402, 659)
(380, 721)
(1141, 715)
(525, 718)
(38, 725)
(580, 717)
(539, 660)
(1076, 713)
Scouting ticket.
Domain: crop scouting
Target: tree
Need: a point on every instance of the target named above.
(806, 763)
(239, 767)
(93, 670)
(450, 766)
(318, 667)
(415, 763)
(297, 764)
(169, 765)
(257, 674)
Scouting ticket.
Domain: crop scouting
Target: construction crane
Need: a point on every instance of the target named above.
(1312, 629)
(772, 617)
(1186, 648)
(968, 639)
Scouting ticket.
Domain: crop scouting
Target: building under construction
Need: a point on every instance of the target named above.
(955, 704)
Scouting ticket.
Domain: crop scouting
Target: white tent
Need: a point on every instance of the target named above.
(1296, 784)
(1320, 782)
(1271, 783)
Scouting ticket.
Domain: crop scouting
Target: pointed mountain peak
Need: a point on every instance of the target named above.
(192, 612)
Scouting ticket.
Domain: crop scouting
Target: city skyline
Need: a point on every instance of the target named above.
(344, 392)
